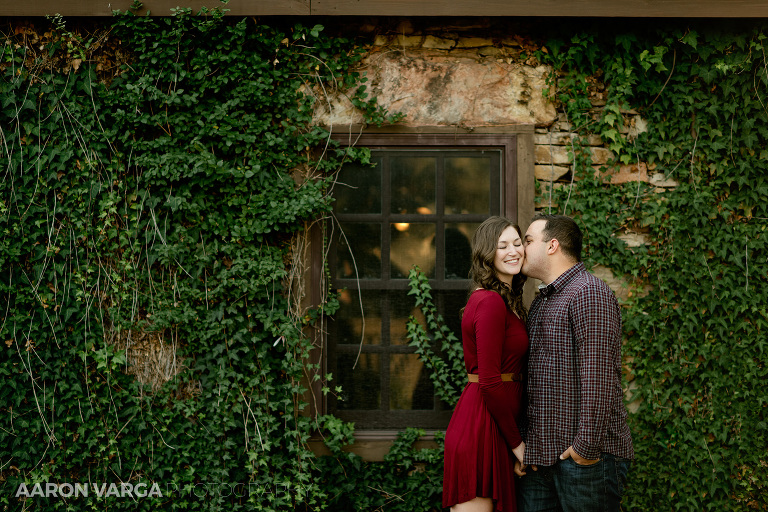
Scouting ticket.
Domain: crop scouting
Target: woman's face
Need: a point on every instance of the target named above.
(510, 255)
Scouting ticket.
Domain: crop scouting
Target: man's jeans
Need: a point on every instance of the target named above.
(568, 487)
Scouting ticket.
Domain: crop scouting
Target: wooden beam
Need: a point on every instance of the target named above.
(465, 8)
(156, 7)
(567, 8)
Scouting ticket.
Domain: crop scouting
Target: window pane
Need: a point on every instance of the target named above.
(412, 244)
(358, 188)
(361, 386)
(450, 304)
(458, 250)
(347, 324)
(468, 185)
(358, 247)
(401, 307)
(413, 184)
(410, 387)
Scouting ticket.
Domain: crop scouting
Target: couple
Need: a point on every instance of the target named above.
(576, 448)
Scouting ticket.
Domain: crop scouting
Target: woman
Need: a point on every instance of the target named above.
(483, 441)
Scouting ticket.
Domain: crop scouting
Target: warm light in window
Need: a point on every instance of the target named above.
(423, 210)
(402, 226)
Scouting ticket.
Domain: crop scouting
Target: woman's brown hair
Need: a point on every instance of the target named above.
(483, 273)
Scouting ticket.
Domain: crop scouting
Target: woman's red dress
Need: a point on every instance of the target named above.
(483, 430)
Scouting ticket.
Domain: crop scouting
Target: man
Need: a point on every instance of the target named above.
(578, 442)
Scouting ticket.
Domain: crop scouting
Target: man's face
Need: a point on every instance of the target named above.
(535, 264)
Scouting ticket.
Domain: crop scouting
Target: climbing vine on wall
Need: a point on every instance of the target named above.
(158, 175)
(696, 322)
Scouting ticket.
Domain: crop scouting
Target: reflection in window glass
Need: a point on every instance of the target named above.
(363, 259)
(468, 185)
(451, 304)
(361, 386)
(410, 386)
(413, 184)
(412, 244)
(458, 250)
(358, 188)
(402, 307)
(419, 206)
(348, 320)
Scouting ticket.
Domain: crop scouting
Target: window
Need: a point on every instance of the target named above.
(417, 205)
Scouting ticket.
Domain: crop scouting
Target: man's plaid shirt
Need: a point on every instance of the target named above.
(574, 371)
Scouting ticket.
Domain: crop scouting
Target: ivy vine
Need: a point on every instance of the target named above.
(161, 172)
(696, 322)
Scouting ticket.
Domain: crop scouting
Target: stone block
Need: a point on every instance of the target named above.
(546, 154)
(474, 42)
(437, 89)
(563, 138)
(625, 173)
(509, 41)
(408, 41)
(634, 239)
(619, 286)
(659, 180)
(438, 43)
(542, 198)
(637, 125)
(550, 172)
(491, 51)
(601, 156)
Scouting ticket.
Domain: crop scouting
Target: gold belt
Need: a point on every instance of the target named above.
(505, 377)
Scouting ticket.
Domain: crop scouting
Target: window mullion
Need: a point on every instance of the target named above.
(439, 224)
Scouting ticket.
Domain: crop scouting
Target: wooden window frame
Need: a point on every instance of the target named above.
(516, 144)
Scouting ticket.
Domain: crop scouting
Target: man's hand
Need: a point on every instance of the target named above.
(578, 459)
(520, 468)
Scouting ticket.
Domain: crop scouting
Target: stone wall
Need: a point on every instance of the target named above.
(474, 74)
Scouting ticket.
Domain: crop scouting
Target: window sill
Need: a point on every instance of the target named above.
(373, 445)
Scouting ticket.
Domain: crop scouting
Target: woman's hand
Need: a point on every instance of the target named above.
(519, 451)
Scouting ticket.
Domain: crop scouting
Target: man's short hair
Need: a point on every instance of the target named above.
(565, 230)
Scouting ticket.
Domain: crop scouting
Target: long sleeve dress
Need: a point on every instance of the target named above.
(484, 426)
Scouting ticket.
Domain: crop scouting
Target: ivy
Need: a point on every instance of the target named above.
(161, 171)
(695, 322)
(149, 218)
(438, 348)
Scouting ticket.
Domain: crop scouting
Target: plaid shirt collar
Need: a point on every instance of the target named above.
(562, 280)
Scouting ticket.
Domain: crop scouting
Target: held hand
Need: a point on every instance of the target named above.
(520, 468)
(578, 459)
(519, 451)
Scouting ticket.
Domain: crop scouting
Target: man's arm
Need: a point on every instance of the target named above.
(596, 323)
